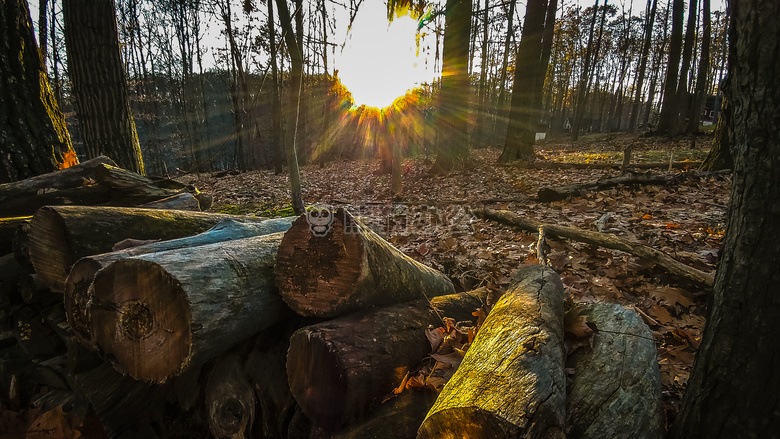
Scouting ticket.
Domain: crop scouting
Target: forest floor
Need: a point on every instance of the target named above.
(431, 221)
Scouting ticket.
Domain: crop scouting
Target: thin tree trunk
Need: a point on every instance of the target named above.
(579, 106)
(669, 107)
(296, 84)
(277, 148)
(683, 95)
(643, 64)
(694, 114)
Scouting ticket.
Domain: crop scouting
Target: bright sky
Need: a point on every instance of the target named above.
(378, 63)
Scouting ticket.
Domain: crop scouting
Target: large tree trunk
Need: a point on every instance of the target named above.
(719, 156)
(734, 388)
(683, 94)
(78, 286)
(527, 86)
(453, 145)
(511, 383)
(615, 389)
(156, 315)
(327, 269)
(102, 102)
(339, 370)
(35, 138)
(60, 235)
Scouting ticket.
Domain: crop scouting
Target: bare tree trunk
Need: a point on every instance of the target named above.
(669, 108)
(34, 137)
(694, 114)
(277, 148)
(102, 102)
(582, 87)
(678, 123)
(643, 64)
(296, 76)
(734, 387)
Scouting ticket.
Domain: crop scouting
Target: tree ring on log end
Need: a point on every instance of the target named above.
(320, 386)
(317, 273)
(137, 320)
(140, 317)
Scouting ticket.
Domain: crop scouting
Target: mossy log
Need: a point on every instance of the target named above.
(78, 285)
(73, 185)
(330, 264)
(616, 387)
(511, 383)
(60, 235)
(130, 188)
(339, 370)
(155, 315)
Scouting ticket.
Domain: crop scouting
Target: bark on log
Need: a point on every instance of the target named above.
(130, 188)
(330, 264)
(574, 190)
(183, 201)
(698, 277)
(60, 235)
(511, 382)
(616, 388)
(60, 187)
(157, 314)
(78, 285)
(230, 399)
(340, 369)
(398, 418)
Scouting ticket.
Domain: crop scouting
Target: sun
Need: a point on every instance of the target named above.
(379, 62)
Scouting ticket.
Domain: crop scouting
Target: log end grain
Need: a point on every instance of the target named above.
(140, 317)
(50, 251)
(331, 259)
(467, 423)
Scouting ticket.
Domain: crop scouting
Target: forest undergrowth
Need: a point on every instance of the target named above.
(431, 221)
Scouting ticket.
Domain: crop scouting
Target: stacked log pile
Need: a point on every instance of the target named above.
(167, 323)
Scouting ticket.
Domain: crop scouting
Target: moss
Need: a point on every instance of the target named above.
(266, 209)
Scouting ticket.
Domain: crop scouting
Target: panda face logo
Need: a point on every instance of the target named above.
(320, 220)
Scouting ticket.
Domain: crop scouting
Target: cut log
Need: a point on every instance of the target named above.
(339, 370)
(8, 227)
(183, 201)
(395, 419)
(574, 190)
(330, 264)
(698, 277)
(157, 314)
(130, 188)
(230, 399)
(78, 285)
(616, 387)
(67, 186)
(21, 246)
(60, 235)
(511, 383)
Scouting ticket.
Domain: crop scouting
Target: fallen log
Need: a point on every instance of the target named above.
(616, 388)
(73, 185)
(339, 370)
(78, 285)
(652, 165)
(558, 193)
(511, 383)
(60, 235)
(182, 201)
(329, 264)
(230, 399)
(155, 315)
(397, 418)
(130, 188)
(605, 240)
